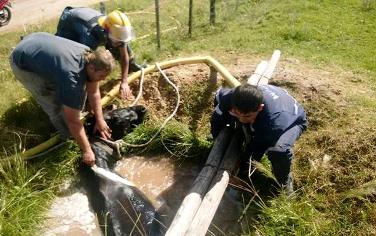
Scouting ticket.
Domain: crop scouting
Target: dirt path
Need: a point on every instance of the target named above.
(26, 12)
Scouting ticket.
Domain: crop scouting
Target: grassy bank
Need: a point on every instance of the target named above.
(334, 166)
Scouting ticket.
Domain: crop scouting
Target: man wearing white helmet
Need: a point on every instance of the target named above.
(93, 29)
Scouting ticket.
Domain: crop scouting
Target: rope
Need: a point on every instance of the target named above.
(121, 142)
(140, 90)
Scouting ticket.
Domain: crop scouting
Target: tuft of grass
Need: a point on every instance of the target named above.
(284, 216)
(176, 139)
(29, 187)
(368, 5)
(367, 189)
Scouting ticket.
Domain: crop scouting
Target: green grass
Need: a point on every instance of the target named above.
(28, 188)
(284, 216)
(335, 200)
(321, 32)
(176, 139)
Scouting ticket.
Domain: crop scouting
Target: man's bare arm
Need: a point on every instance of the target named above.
(125, 91)
(76, 129)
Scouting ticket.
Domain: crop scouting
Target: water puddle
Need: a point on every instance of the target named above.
(166, 184)
(163, 181)
(155, 176)
(71, 215)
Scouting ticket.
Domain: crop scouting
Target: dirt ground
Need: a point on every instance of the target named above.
(28, 12)
(302, 80)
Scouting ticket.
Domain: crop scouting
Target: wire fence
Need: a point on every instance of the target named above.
(186, 16)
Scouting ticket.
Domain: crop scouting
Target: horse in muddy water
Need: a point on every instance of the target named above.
(121, 208)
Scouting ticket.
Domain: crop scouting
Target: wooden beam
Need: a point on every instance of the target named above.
(264, 70)
(205, 214)
(192, 201)
(272, 64)
(256, 77)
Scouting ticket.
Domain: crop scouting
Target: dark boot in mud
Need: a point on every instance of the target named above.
(288, 188)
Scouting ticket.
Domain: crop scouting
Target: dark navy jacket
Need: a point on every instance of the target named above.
(281, 112)
(81, 25)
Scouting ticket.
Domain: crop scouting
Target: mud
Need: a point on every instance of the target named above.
(163, 180)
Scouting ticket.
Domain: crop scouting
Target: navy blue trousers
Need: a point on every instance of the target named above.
(280, 154)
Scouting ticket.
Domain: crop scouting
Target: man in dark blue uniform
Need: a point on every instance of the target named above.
(93, 29)
(272, 121)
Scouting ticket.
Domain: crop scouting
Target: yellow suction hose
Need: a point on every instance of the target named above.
(231, 80)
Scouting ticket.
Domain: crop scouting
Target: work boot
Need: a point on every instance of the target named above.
(133, 66)
(288, 188)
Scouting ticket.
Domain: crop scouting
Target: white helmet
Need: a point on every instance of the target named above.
(118, 25)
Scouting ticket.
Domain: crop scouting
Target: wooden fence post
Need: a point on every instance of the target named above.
(212, 12)
(157, 24)
(190, 20)
(102, 8)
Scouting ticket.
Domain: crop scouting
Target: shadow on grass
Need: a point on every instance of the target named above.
(24, 126)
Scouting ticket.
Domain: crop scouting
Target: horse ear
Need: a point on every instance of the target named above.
(140, 111)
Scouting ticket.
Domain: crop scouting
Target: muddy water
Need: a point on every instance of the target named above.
(154, 175)
(71, 215)
(162, 180)
(167, 183)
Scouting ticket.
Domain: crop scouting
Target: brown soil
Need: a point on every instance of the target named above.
(307, 83)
